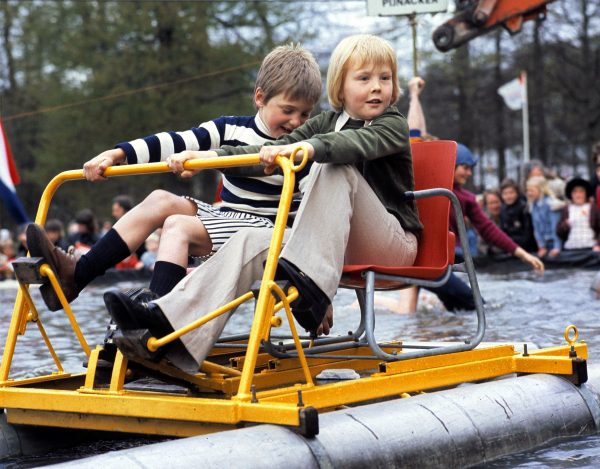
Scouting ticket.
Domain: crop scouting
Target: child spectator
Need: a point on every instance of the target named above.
(106, 226)
(149, 257)
(492, 205)
(7, 255)
(557, 186)
(86, 235)
(554, 182)
(22, 242)
(56, 232)
(579, 225)
(544, 219)
(515, 220)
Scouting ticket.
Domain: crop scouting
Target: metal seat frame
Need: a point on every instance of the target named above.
(428, 157)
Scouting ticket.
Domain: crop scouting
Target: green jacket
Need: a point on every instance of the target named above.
(380, 151)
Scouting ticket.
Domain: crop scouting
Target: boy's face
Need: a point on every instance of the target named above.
(367, 90)
(578, 196)
(509, 195)
(280, 114)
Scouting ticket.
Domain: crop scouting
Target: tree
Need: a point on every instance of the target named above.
(78, 77)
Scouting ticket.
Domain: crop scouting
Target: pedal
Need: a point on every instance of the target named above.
(27, 270)
(132, 344)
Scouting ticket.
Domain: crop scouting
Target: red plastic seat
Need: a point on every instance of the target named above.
(433, 164)
(433, 167)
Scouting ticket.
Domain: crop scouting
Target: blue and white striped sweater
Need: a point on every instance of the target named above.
(256, 195)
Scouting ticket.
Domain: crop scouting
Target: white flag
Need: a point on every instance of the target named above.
(513, 93)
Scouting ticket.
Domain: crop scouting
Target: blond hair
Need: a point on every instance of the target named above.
(292, 71)
(541, 183)
(359, 50)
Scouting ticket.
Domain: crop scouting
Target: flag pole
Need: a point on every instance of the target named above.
(412, 18)
(526, 155)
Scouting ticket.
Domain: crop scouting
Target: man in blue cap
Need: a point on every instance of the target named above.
(455, 294)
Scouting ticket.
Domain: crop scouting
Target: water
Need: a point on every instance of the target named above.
(521, 307)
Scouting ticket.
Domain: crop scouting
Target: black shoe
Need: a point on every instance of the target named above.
(141, 295)
(136, 294)
(136, 322)
(310, 307)
(129, 314)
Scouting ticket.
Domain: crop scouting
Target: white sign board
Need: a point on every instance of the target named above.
(404, 7)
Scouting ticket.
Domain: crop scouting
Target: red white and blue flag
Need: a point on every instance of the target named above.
(8, 179)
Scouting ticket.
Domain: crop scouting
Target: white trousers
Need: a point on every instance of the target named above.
(340, 221)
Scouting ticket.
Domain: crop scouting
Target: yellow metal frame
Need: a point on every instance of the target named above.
(244, 385)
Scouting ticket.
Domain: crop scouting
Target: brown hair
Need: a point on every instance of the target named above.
(290, 70)
(510, 183)
(493, 192)
(124, 201)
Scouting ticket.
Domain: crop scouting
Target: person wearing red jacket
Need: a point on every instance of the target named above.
(455, 294)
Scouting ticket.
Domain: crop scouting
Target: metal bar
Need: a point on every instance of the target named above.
(210, 367)
(325, 344)
(469, 265)
(46, 271)
(370, 318)
(140, 404)
(290, 317)
(117, 379)
(57, 362)
(261, 315)
(154, 343)
(34, 317)
(11, 337)
(91, 368)
(370, 277)
(113, 171)
(137, 169)
(412, 281)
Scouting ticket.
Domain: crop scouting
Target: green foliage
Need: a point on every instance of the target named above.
(103, 72)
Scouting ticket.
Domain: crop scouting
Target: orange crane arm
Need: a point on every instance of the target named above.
(477, 17)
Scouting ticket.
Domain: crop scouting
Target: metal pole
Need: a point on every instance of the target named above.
(526, 156)
(412, 18)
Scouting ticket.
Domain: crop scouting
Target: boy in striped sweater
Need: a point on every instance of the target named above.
(287, 88)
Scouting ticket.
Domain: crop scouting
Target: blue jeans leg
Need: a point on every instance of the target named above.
(455, 294)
